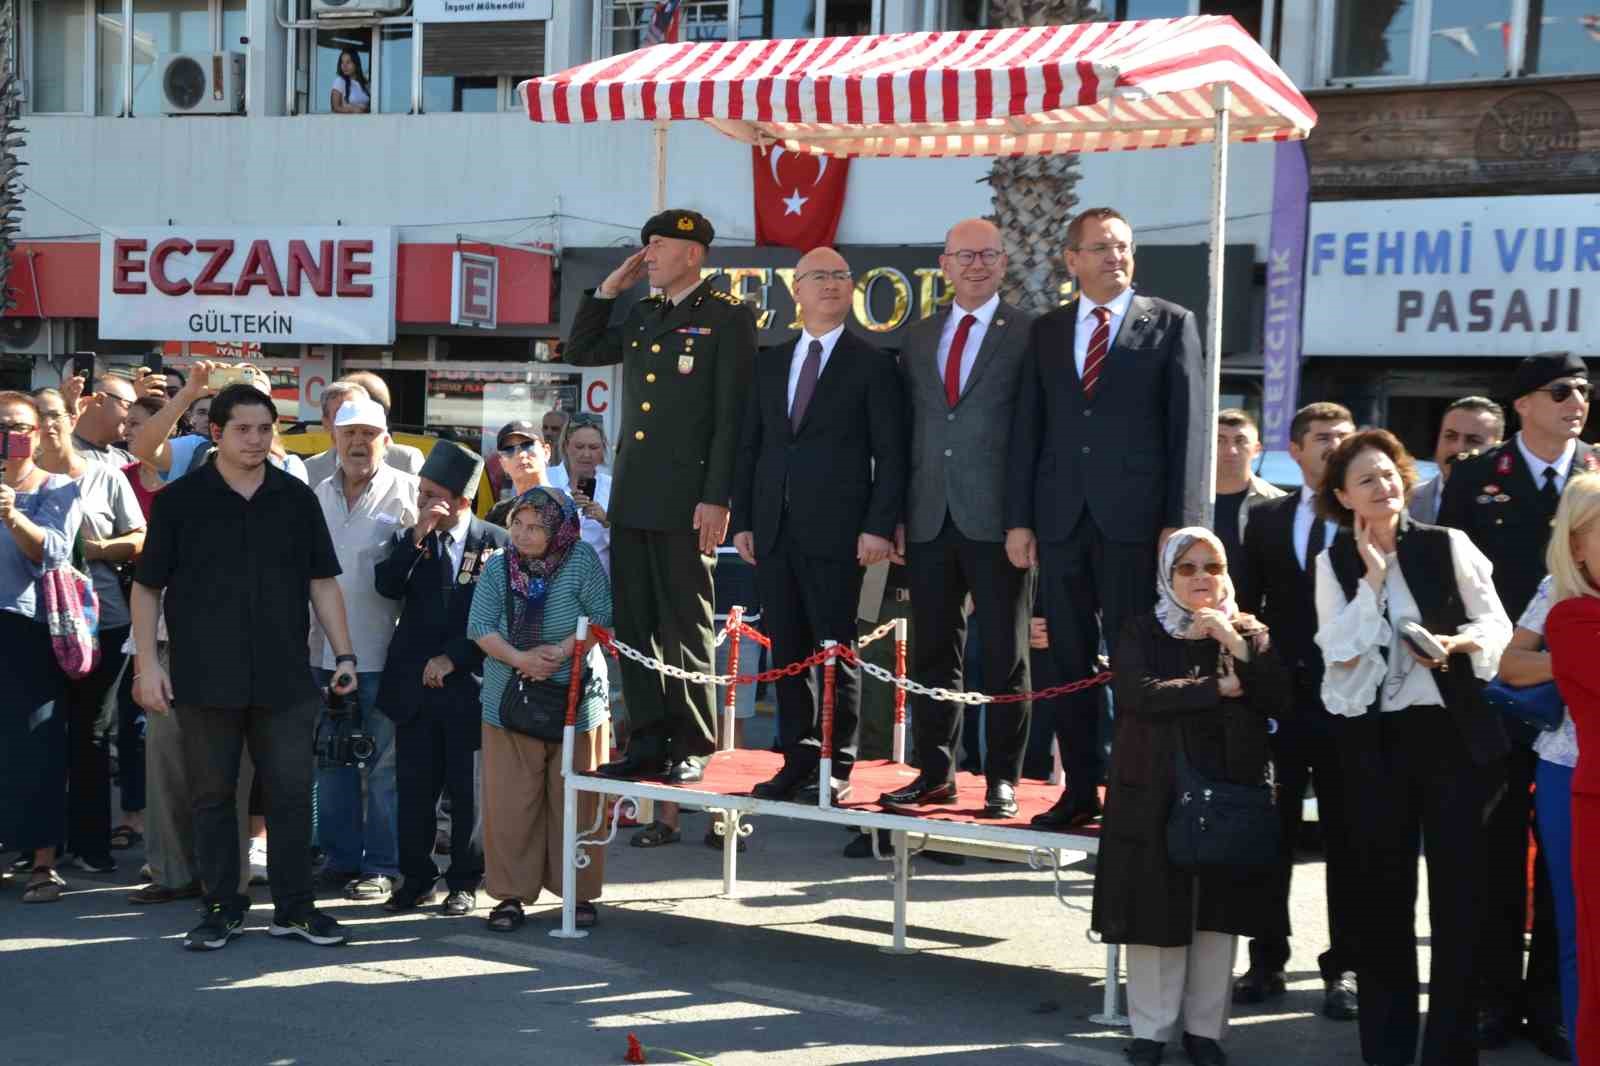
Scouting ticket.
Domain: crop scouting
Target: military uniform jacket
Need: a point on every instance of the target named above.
(685, 375)
(1492, 498)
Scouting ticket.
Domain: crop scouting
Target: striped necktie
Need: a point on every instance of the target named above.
(1099, 344)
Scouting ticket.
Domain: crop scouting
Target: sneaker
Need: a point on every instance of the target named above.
(369, 886)
(310, 925)
(106, 865)
(213, 933)
(258, 861)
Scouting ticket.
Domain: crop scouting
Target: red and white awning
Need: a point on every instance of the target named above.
(1093, 87)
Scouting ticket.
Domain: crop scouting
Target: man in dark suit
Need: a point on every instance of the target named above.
(960, 371)
(1505, 499)
(1110, 386)
(817, 492)
(432, 676)
(685, 358)
(1277, 583)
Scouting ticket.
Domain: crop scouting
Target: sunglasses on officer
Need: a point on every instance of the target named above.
(1562, 391)
(1215, 569)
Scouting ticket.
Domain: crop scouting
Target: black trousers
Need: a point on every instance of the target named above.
(1092, 586)
(1411, 783)
(942, 572)
(806, 599)
(280, 740)
(434, 756)
(88, 760)
(662, 599)
(1304, 750)
(1501, 985)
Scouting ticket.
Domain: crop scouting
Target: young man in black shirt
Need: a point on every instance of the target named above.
(238, 548)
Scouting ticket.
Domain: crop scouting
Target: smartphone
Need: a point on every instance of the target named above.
(222, 377)
(83, 367)
(154, 362)
(15, 446)
(586, 486)
(1419, 640)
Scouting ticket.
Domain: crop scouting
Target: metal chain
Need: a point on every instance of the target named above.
(877, 634)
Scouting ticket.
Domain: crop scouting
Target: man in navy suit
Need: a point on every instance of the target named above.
(819, 484)
(1109, 387)
(432, 676)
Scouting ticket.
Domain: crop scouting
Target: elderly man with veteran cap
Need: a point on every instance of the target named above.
(1505, 500)
(686, 354)
(432, 678)
(364, 501)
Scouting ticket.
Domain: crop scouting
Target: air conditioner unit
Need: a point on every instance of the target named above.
(357, 8)
(201, 83)
(24, 336)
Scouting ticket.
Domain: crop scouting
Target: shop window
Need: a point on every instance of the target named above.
(108, 33)
(343, 63)
(56, 59)
(1457, 41)
(1563, 37)
(474, 66)
(160, 27)
(395, 63)
(623, 22)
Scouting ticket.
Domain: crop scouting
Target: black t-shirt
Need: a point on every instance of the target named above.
(1226, 525)
(237, 575)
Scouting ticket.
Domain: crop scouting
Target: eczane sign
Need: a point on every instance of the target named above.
(301, 285)
(1468, 276)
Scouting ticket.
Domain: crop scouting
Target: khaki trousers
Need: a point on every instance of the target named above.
(522, 811)
(1194, 983)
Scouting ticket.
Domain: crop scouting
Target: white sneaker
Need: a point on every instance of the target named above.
(258, 861)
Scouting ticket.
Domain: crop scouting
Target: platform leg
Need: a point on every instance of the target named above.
(730, 853)
(569, 851)
(1111, 1012)
(902, 889)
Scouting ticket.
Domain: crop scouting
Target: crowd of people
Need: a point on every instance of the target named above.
(1021, 486)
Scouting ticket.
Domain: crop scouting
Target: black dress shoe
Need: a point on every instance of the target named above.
(1551, 1040)
(1000, 801)
(790, 778)
(632, 767)
(1492, 1030)
(1204, 1051)
(409, 896)
(810, 791)
(861, 846)
(687, 771)
(1067, 813)
(1258, 986)
(922, 790)
(459, 903)
(1144, 1052)
(1340, 998)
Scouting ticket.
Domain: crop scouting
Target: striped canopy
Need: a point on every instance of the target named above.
(1093, 87)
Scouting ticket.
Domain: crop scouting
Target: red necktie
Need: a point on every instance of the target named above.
(952, 362)
(1099, 343)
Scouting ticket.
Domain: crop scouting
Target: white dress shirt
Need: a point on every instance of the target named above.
(1536, 466)
(1086, 324)
(1304, 515)
(455, 539)
(982, 316)
(1361, 629)
(798, 360)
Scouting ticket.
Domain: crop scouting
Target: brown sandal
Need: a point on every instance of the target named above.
(507, 917)
(44, 886)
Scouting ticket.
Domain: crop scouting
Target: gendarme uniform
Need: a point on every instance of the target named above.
(686, 373)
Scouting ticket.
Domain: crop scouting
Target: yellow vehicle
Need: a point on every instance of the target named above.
(308, 440)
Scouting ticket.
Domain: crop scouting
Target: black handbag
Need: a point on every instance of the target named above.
(1217, 825)
(533, 708)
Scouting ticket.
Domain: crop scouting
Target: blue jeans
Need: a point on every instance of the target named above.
(366, 842)
(1553, 797)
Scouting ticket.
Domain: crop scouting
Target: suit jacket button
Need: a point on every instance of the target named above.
(655, 347)
(1087, 412)
(650, 378)
(645, 406)
(638, 434)
(636, 344)
(1085, 449)
(951, 417)
(948, 453)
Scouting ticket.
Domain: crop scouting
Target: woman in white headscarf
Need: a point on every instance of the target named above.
(1195, 675)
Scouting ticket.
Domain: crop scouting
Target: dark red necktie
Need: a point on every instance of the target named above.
(952, 362)
(1099, 344)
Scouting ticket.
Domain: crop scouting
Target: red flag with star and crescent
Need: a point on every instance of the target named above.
(799, 197)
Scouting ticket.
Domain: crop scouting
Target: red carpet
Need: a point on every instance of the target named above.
(735, 773)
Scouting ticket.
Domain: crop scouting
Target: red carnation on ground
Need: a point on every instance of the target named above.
(635, 1050)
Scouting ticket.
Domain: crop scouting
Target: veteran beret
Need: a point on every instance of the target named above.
(684, 225)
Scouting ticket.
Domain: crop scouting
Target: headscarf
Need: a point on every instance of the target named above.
(1170, 611)
(531, 575)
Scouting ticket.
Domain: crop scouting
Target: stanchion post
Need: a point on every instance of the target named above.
(830, 668)
(1110, 1010)
(569, 796)
(901, 627)
(730, 695)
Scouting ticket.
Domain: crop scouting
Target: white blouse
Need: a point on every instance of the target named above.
(1558, 746)
(1353, 634)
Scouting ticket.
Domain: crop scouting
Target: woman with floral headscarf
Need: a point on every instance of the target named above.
(554, 577)
(1199, 676)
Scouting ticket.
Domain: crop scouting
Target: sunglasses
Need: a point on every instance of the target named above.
(518, 449)
(1191, 569)
(1563, 392)
(586, 420)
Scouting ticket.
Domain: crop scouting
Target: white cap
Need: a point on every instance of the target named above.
(360, 411)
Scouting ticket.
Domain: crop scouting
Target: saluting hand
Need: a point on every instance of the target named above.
(625, 277)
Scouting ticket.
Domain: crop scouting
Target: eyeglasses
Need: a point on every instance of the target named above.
(1119, 248)
(58, 413)
(1561, 392)
(518, 449)
(1191, 569)
(825, 275)
(967, 256)
(17, 427)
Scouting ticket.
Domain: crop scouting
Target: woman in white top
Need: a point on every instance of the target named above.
(1421, 751)
(350, 94)
(583, 447)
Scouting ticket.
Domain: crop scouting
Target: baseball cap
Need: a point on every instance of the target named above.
(520, 428)
(360, 411)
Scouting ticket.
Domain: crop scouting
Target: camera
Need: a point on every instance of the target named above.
(340, 740)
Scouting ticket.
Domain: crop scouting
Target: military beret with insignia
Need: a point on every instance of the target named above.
(681, 224)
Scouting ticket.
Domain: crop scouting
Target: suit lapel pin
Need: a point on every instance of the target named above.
(1001, 322)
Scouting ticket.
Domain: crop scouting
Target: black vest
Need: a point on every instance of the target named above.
(1424, 556)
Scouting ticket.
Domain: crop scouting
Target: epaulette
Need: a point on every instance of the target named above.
(727, 297)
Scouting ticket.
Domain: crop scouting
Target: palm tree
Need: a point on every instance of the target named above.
(10, 143)
(1034, 196)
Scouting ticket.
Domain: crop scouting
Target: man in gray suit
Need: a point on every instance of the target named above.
(961, 371)
(1098, 452)
(1470, 424)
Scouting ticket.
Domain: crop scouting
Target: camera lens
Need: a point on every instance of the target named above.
(362, 748)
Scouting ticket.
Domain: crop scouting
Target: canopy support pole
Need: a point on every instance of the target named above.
(1203, 431)
(659, 137)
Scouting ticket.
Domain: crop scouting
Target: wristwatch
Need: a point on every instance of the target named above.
(340, 660)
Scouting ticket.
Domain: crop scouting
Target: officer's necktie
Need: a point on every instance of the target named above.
(1316, 541)
(441, 547)
(1099, 345)
(810, 370)
(1549, 496)
(952, 362)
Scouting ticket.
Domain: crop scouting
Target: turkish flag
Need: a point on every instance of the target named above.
(799, 197)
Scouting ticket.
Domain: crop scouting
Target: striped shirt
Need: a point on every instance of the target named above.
(581, 588)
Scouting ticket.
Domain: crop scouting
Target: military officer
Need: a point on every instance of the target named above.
(686, 354)
(1505, 499)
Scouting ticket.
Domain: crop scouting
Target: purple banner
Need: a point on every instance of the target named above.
(1286, 258)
